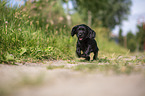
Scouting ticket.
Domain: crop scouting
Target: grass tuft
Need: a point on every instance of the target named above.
(105, 68)
(51, 67)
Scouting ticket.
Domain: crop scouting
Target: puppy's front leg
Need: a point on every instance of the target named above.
(78, 51)
(87, 53)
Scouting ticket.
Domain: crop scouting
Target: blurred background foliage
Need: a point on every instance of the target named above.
(40, 29)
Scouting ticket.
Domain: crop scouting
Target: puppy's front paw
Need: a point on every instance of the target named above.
(83, 55)
(87, 58)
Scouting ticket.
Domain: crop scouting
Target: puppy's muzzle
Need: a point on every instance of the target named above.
(80, 36)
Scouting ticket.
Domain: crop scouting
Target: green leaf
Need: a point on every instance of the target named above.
(9, 57)
(23, 50)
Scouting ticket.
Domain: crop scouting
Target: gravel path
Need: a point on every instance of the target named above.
(34, 79)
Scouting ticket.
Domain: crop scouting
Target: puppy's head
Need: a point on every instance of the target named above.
(83, 31)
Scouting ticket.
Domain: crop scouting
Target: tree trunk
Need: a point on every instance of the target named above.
(89, 18)
(68, 15)
(125, 42)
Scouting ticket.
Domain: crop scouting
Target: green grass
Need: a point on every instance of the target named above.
(115, 65)
(51, 67)
(26, 38)
(24, 41)
(105, 68)
(118, 65)
(29, 43)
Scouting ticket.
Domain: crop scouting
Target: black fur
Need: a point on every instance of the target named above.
(86, 42)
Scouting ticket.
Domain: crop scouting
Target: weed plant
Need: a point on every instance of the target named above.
(23, 38)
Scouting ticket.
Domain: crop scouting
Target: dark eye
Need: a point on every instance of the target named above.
(81, 29)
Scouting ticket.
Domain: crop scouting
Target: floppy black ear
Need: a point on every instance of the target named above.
(91, 33)
(73, 31)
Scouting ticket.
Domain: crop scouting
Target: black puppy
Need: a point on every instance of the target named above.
(86, 42)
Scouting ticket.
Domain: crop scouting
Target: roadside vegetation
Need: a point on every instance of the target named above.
(22, 38)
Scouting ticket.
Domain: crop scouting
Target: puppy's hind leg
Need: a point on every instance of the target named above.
(95, 56)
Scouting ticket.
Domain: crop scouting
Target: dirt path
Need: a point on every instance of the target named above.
(33, 79)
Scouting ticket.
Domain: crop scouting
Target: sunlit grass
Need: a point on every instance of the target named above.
(105, 68)
(117, 65)
(50, 67)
